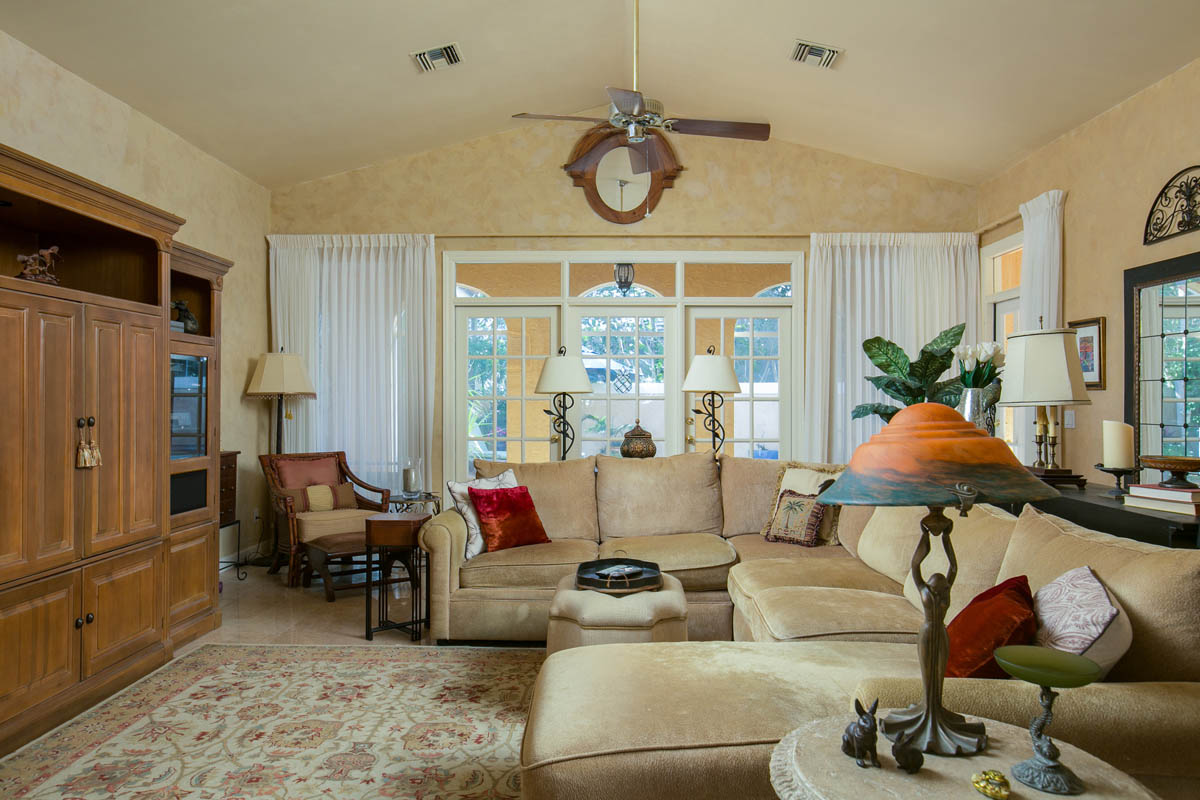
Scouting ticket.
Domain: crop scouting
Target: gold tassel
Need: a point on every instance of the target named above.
(83, 453)
(95, 454)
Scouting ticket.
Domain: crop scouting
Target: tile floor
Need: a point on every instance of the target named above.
(263, 610)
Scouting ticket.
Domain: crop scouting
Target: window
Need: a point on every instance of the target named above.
(1001, 265)
(612, 290)
(778, 290)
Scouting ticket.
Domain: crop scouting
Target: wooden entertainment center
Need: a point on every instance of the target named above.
(105, 569)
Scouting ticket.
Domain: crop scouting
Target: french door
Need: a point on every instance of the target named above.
(631, 354)
(758, 419)
(499, 358)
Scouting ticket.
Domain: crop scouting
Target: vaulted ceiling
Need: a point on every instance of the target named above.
(290, 90)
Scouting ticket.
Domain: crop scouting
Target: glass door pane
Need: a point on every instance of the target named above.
(757, 419)
(189, 406)
(629, 355)
(500, 355)
(1013, 424)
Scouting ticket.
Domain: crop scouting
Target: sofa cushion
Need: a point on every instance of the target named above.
(748, 489)
(1159, 587)
(753, 546)
(795, 613)
(296, 473)
(671, 720)
(748, 579)
(564, 493)
(315, 524)
(980, 542)
(658, 496)
(852, 520)
(534, 566)
(700, 561)
(889, 538)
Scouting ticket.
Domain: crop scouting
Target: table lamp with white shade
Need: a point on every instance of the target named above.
(280, 375)
(563, 376)
(712, 376)
(1041, 369)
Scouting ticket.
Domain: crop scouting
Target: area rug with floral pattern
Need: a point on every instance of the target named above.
(241, 721)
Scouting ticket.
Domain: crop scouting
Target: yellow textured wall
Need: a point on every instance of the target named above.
(56, 116)
(1111, 168)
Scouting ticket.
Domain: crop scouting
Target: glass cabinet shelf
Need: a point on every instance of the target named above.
(189, 406)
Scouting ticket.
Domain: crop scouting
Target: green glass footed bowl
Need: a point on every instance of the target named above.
(1047, 667)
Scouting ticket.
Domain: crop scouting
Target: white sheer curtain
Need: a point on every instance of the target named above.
(362, 312)
(906, 287)
(1041, 261)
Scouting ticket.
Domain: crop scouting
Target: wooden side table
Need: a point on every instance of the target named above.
(808, 764)
(395, 534)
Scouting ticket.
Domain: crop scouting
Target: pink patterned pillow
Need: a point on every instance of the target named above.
(1076, 613)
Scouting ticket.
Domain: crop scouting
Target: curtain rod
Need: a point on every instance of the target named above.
(991, 226)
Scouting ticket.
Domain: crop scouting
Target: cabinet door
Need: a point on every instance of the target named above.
(123, 392)
(39, 644)
(40, 399)
(122, 607)
(191, 572)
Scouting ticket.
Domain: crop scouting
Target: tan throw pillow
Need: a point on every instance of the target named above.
(1077, 613)
(462, 503)
(343, 496)
(807, 479)
(797, 519)
(299, 499)
(320, 498)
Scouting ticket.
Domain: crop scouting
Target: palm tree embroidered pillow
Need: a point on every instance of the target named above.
(797, 519)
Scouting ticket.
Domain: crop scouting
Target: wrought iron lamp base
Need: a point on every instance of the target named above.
(1044, 772)
(937, 731)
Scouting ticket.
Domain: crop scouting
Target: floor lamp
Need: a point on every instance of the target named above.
(280, 375)
(562, 376)
(711, 376)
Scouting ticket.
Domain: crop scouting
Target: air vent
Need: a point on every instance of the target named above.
(438, 58)
(813, 54)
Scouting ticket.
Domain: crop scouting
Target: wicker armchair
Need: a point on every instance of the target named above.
(289, 472)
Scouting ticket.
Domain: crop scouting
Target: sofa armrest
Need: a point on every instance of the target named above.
(444, 538)
(1136, 727)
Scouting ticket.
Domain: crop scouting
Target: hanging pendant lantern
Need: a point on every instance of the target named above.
(623, 275)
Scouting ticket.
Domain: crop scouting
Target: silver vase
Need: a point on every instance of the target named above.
(973, 408)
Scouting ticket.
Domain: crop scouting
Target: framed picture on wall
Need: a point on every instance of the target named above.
(1090, 338)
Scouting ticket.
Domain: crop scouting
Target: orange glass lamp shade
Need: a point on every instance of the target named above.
(928, 455)
(922, 454)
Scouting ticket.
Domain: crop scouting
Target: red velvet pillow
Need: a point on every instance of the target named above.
(997, 616)
(507, 518)
(296, 473)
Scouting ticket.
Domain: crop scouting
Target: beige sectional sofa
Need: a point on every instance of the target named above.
(699, 719)
(694, 519)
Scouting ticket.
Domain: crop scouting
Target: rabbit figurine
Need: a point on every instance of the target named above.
(858, 741)
(908, 757)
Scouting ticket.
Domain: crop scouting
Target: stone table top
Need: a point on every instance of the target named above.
(808, 764)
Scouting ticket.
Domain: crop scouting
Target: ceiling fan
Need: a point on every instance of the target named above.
(636, 114)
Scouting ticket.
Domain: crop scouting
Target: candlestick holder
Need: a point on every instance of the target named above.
(1122, 475)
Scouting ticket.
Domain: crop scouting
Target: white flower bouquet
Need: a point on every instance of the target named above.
(978, 364)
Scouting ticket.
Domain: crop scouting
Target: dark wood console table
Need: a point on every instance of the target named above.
(1094, 508)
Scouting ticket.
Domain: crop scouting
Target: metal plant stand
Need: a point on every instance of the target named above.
(1044, 771)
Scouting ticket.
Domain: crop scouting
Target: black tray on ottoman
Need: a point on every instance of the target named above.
(647, 578)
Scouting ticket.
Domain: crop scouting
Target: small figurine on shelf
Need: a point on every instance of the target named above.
(858, 741)
(39, 266)
(908, 758)
(190, 323)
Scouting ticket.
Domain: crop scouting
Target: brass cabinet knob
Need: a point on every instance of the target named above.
(691, 440)
(554, 439)
(690, 421)
(90, 618)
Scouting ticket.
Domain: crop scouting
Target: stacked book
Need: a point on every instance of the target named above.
(1160, 498)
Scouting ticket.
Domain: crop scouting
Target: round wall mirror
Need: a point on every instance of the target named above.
(618, 186)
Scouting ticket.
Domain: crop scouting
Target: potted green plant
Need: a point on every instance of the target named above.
(912, 381)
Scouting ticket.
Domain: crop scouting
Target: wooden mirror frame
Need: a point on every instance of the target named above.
(1136, 279)
(602, 139)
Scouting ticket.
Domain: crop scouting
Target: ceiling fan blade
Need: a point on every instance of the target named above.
(556, 116)
(757, 131)
(643, 156)
(627, 101)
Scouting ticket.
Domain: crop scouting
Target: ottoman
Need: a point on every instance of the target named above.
(581, 617)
